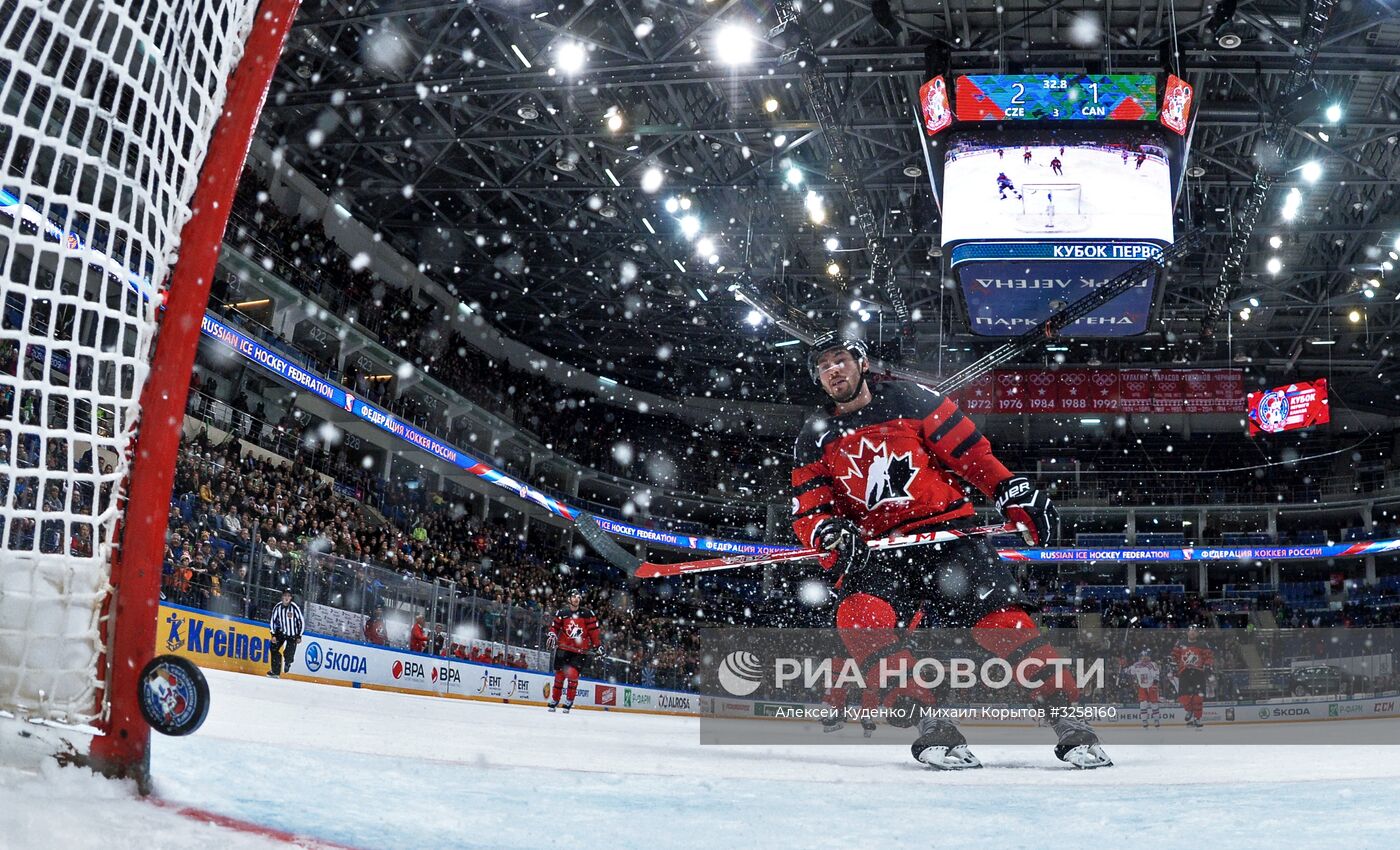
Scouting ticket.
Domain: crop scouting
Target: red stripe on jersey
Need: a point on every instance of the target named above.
(803, 474)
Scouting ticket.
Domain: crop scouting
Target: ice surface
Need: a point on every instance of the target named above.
(373, 769)
(72, 809)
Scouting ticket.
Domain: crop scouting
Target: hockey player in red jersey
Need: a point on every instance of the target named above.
(878, 461)
(574, 637)
(1146, 673)
(1193, 660)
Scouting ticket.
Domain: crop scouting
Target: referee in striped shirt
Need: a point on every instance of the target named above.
(287, 624)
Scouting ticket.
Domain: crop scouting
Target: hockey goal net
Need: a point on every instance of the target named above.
(1051, 208)
(125, 125)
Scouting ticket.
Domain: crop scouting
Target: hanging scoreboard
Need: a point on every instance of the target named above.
(1047, 97)
(1050, 185)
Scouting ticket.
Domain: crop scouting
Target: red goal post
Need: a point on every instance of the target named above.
(90, 236)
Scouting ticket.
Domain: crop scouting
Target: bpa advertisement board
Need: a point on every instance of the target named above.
(1288, 408)
(244, 646)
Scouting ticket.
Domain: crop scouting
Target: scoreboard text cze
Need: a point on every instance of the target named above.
(1038, 97)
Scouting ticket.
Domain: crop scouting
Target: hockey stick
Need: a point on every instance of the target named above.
(637, 568)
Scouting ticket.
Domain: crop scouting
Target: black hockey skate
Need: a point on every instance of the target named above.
(867, 726)
(941, 746)
(1078, 744)
(553, 706)
(835, 723)
(567, 706)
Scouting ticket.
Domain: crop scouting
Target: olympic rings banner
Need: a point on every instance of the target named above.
(1090, 391)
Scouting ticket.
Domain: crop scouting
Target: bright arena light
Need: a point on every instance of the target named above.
(754, 318)
(1275, 242)
(1334, 113)
(816, 208)
(834, 269)
(734, 45)
(1312, 170)
(1354, 315)
(1291, 203)
(771, 104)
(705, 246)
(614, 119)
(832, 243)
(672, 205)
(794, 176)
(690, 226)
(570, 57)
(651, 181)
(1274, 265)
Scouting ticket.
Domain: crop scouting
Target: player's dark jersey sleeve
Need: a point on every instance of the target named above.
(955, 440)
(591, 634)
(813, 499)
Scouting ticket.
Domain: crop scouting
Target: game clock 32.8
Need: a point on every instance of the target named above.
(1051, 97)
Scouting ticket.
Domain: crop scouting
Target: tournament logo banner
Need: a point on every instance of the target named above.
(1176, 105)
(933, 103)
(1289, 408)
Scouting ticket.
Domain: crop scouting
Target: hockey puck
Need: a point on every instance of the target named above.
(174, 695)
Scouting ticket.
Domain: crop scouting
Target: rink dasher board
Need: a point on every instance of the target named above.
(235, 644)
(221, 642)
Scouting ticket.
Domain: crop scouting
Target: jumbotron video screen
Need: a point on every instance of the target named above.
(1045, 187)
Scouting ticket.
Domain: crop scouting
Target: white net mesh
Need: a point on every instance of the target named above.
(106, 111)
(1052, 208)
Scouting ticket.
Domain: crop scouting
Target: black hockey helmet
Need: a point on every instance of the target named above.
(830, 342)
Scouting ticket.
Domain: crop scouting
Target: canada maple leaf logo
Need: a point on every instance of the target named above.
(876, 476)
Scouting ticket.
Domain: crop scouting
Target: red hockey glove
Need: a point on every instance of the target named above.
(842, 537)
(1019, 501)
